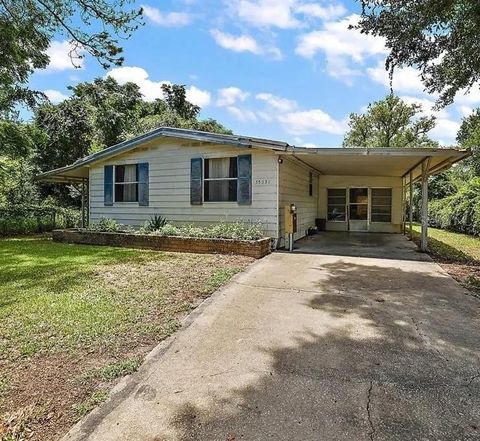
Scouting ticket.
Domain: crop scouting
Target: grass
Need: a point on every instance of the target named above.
(451, 246)
(458, 254)
(97, 397)
(72, 312)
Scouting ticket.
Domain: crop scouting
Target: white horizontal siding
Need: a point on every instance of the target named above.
(169, 187)
(294, 189)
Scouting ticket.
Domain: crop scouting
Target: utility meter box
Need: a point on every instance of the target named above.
(290, 219)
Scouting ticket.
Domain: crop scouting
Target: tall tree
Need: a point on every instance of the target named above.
(440, 37)
(27, 28)
(390, 123)
(469, 137)
(112, 109)
(176, 99)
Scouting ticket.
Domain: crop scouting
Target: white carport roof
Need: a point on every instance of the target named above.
(397, 162)
(330, 161)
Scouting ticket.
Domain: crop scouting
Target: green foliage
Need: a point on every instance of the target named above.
(27, 27)
(155, 223)
(390, 123)
(224, 230)
(176, 99)
(469, 137)
(438, 37)
(27, 219)
(106, 225)
(16, 182)
(459, 212)
(112, 109)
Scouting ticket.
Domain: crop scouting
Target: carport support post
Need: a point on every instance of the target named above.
(410, 208)
(82, 218)
(424, 235)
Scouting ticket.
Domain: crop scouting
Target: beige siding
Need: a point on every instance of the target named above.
(293, 189)
(326, 182)
(170, 187)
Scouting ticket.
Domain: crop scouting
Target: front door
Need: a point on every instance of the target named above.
(358, 209)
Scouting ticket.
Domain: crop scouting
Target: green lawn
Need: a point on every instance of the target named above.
(87, 315)
(450, 246)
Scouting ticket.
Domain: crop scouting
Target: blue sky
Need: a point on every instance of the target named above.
(282, 69)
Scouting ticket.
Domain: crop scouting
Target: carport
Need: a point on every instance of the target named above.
(340, 167)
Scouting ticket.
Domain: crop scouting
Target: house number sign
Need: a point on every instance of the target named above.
(262, 181)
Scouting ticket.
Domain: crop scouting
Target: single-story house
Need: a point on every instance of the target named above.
(196, 177)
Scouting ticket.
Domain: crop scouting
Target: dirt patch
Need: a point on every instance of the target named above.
(43, 396)
(468, 275)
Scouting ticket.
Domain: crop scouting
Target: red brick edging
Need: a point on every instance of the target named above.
(251, 248)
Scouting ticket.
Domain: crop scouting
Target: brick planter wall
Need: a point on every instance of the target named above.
(251, 248)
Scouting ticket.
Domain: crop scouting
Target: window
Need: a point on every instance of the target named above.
(310, 184)
(381, 205)
(359, 204)
(337, 203)
(220, 180)
(126, 183)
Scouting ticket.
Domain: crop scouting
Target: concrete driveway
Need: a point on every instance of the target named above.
(312, 347)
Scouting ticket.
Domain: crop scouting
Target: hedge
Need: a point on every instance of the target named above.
(459, 212)
(21, 219)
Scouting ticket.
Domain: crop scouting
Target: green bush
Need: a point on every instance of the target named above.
(106, 225)
(235, 230)
(21, 219)
(155, 223)
(459, 212)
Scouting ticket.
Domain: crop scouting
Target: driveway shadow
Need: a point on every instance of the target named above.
(405, 366)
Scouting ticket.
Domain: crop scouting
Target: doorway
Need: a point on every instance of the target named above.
(358, 209)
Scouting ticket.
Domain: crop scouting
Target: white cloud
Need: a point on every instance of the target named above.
(327, 12)
(167, 19)
(311, 121)
(266, 13)
(244, 115)
(59, 53)
(241, 43)
(405, 80)
(465, 110)
(244, 43)
(427, 106)
(445, 131)
(198, 97)
(276, 102)
(55, 96)
(152, 90)
(341, 46)
(231, 95)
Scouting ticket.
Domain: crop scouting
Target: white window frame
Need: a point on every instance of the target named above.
(115, 183)
(339, 205)
(218, 179)
(371, 205)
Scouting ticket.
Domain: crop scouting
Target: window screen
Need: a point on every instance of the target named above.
(126, 183)
(381, 205)
(337, 203)
(220, 180)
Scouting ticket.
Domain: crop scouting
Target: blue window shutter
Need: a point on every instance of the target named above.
(143, 184)
(196, 181)
(244, 189)
(108, 185)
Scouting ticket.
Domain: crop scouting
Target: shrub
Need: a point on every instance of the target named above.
(235, 230)
(155, 223)
(106, 225)
(459, 212)
(22, 219)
